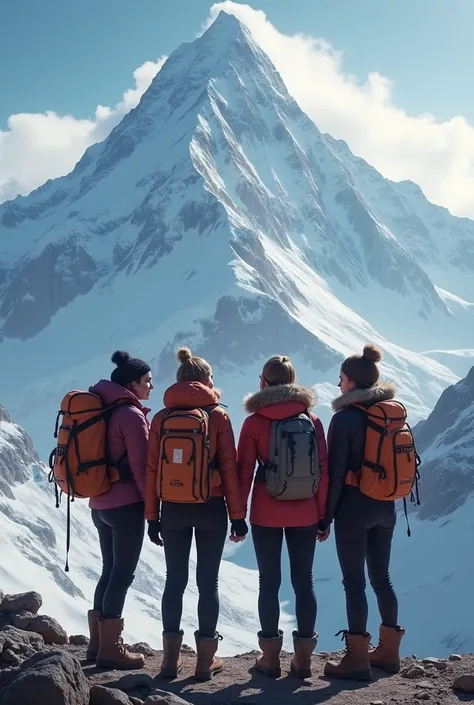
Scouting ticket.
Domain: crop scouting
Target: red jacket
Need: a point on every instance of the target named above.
(189, 395)
(267, 405)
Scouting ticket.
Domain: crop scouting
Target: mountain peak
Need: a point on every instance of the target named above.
(225, 20)
(224, 31)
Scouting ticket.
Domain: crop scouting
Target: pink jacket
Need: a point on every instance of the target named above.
(127, 431)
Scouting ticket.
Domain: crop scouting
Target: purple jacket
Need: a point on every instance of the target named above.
(127, 431)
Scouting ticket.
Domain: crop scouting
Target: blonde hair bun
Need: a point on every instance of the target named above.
(184, 355)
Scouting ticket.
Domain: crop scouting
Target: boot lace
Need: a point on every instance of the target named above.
(120, 644)
(344, 633)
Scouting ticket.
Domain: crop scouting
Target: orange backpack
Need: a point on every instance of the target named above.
(389, 470)
(79, 464)
(185, 467)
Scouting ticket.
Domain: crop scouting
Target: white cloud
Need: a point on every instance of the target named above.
(41, 146)
(439, 156)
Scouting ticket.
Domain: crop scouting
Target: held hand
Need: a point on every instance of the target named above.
(239, 530)
(154, 532)
(323, 534)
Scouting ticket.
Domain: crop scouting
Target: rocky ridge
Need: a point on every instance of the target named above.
(40, 664)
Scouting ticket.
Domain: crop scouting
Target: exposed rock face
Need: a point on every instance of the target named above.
(445, 442)
(17, 455)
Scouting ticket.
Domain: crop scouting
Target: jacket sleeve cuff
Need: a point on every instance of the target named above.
(151, 516)
(237, 515)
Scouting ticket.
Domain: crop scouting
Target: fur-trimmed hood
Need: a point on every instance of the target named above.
(379, 392)
(276, 395)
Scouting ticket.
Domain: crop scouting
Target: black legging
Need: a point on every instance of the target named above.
(121, 532)
(209, 522)
(364, 531)
(301, 542)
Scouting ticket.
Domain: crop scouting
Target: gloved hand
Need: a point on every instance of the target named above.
(239, 528)
(154, 532)
(324, 531)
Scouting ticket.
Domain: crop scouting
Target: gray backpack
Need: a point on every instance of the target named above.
(293, 470)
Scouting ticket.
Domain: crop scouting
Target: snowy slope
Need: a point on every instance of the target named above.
(216, 214)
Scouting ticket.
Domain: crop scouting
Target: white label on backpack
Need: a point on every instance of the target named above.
(177, 456)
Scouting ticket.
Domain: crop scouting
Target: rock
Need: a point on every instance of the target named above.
(425, 685)
(142, 648)
(437, 663)
(50, 677)
(323, 654)
(22, 620)
(413, 671)
(10, 658)
(186, 649)
(20, 642)
(108, 696)
(162, 697)
(4, 621)
(23, 602)
(133, 682)
(7, 675)
(422, 696)
(455, 657)
(51, 631)
(376, 702)
(2, 595)
(464, 684)
(79, 640)
(136, 701)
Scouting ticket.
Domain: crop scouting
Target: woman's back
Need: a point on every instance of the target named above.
(266, 406)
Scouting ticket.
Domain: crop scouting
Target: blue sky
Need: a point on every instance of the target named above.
(71, 56)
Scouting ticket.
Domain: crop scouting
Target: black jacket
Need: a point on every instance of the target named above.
(346, 438)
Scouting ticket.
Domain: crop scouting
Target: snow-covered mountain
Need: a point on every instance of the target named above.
(216, 214)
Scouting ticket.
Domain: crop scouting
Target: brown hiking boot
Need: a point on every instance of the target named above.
(301, 662)
(208, 664)
(387, 654)
(112, 652)
(172, 661)
(269, 662)
(355, 665)
(93, 617)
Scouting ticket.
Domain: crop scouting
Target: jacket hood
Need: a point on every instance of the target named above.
(111, 392)
(379, 392)
(189, 395)
(283, 396)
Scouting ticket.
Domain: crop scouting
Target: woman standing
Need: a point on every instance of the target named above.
(274, 512)
(119, 514)
(192, 468)
(363, 526)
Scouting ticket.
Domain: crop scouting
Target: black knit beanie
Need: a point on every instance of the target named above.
(128, 369)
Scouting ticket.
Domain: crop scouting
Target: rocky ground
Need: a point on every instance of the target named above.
(40, 665)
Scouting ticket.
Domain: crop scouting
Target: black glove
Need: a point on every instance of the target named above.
(154, 532)
(239, 527)
(322, 526)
